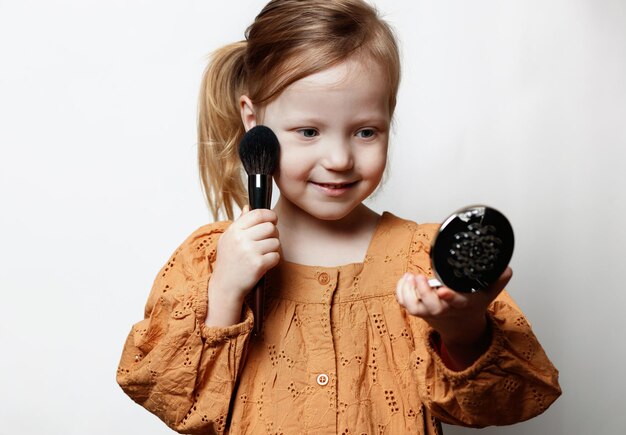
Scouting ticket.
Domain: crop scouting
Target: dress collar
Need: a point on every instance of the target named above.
(384, 263)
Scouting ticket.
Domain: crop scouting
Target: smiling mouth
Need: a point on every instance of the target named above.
(335, 185)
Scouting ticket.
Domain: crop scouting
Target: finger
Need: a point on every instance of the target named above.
(244, 210)
(453, 299)
(399, 294)
(263, 263)
(494, 289)
(271, 259)
(446, 294)
(257, 216)
(429, 296)
(267, 246)
(412, 301)
(262, 231)
(505, 277)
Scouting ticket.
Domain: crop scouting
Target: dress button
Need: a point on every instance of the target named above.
(322, 379)
(323, 278)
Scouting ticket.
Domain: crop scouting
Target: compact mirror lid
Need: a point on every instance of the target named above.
(472, 248)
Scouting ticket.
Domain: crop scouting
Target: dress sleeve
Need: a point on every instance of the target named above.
(172, 363)
(511, 382)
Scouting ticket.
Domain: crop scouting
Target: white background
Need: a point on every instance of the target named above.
(519, 104)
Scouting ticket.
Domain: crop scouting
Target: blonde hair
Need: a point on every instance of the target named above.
(288, 40)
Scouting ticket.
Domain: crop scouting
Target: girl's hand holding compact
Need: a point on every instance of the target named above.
(459, 318)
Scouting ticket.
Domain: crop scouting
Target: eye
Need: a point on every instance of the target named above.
(308, 132)
(366, 133)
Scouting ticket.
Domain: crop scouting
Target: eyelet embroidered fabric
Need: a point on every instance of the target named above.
(337, 353)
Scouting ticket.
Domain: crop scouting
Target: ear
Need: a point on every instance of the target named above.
(248, 114)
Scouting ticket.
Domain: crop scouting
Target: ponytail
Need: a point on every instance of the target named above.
(220, 129)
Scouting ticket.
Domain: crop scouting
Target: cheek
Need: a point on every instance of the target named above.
(292, 166)
(373, 164)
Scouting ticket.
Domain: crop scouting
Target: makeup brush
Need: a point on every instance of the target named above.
(258, 151)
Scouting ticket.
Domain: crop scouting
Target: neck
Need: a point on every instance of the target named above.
(306, 239)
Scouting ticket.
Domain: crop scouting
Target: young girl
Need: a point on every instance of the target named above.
(354, 340)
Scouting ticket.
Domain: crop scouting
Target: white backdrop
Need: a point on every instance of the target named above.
(519, 104)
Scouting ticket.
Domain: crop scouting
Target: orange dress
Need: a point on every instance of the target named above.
(337, 355)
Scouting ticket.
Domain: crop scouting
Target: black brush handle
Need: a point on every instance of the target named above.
(260, 191)
(259, 196)
(259, 305)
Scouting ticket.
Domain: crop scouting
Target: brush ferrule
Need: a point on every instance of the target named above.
(260, 191)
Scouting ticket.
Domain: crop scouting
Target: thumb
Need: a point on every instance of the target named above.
(494, 289)
(504, 278)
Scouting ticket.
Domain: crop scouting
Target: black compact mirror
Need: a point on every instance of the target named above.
(471, 249)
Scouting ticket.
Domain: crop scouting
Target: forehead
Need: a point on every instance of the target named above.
(340, 75)
(350, 74)
(353, 85)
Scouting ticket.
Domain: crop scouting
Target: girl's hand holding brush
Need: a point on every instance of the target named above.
(245, 252)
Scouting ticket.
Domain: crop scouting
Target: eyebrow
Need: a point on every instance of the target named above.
(314, 120)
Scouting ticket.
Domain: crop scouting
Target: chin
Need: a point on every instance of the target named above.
(324, 210)
(331, 212)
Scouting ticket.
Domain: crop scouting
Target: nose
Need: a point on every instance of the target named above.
(338, 155)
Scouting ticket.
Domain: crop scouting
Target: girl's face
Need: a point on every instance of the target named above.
(333, 129)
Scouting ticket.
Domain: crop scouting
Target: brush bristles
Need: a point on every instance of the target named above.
(259, 151)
